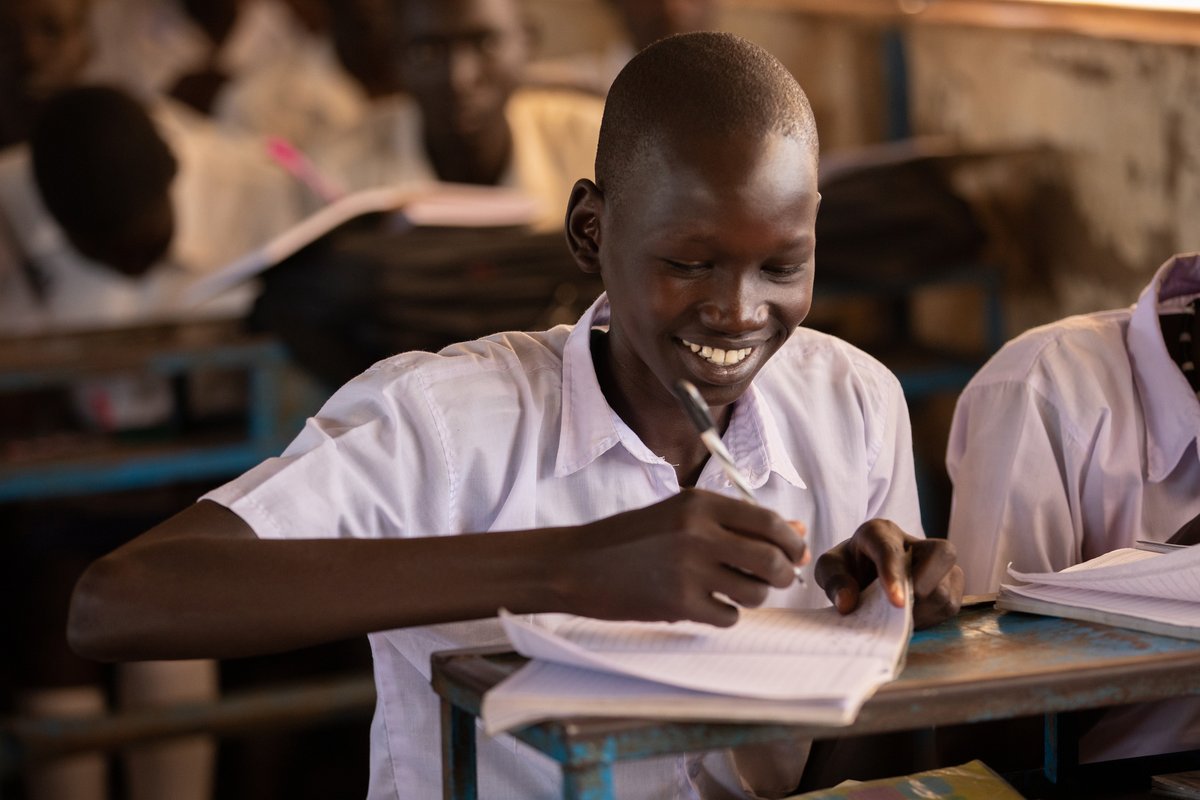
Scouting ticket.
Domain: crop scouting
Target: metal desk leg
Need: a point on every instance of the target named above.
(1061, 749)
(588, 781)
(458, 753)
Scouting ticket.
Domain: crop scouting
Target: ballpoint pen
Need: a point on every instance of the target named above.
(697, 411)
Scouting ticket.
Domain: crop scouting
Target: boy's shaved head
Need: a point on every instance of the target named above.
(692, 86)
(104, 173)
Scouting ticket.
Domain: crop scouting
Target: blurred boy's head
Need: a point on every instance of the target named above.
(44, 44)
(702, 218)
(461, 60)
(104, 173)
(647, 21)
(364, 38)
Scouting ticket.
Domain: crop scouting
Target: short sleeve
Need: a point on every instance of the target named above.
(370, 464)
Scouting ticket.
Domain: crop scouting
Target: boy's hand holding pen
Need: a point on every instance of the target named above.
(878, 549)
(697, 411)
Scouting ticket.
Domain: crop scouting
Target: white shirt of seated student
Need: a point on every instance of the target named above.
(229, 198)
(554, 144)
(1078, 438)
(513, 432)
(303, 96)
(146, 45)
(592, 72)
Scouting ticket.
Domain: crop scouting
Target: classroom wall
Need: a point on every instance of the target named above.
(1123, 118)
(1112, 188)
(838, 61)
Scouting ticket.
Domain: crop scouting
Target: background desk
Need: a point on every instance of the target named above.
(174, 351)
(983, 665)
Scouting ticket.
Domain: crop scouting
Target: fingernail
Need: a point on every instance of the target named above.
(842, 599)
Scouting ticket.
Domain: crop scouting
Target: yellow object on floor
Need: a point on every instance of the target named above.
(970, 781)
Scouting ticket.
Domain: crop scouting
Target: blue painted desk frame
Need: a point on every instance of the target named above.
(36, 362)
(983, 665)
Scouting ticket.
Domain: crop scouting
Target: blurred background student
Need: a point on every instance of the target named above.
(465, 116)
(106, 219)
(641, 22)
(45, 45)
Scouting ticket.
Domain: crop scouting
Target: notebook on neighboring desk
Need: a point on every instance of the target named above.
(1128, 588)
(775, 665)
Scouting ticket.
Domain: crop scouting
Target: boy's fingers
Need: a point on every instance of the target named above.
(843, 593)
(832, 574)
(932, 559)
(762, 523)
(883, 543)
(760, 560)
(801, 530)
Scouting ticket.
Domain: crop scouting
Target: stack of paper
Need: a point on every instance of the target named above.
(1139, 589)
(774, 665)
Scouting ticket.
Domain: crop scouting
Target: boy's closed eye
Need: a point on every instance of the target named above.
(688, 267)
(786, 271)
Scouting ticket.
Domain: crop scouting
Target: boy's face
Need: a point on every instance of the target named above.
(46, 43)
(461, 60)
(134, 248)
(707, 257)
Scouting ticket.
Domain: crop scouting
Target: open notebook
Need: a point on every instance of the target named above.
(431, 204)
(1139, 589)
(775, 665)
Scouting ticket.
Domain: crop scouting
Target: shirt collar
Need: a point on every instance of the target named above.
(1172, 413)
(590, 427)
(754, 442)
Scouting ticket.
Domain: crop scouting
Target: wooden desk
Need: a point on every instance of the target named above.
(983, 665)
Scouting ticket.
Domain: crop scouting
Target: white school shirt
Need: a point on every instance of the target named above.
(591, 71)
(303, 96)
(1078, 438)
(554, 135)
(512, 432)
(147, 45)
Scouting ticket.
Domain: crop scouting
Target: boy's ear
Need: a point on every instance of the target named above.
(583, 225)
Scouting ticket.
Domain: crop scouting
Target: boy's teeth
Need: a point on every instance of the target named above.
(716, 355)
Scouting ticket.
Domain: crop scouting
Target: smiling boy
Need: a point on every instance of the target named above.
(568, 448)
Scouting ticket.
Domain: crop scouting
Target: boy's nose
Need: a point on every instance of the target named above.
(464, 66)
(734, 307)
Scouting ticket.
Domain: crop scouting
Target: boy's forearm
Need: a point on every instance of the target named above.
(184, 591)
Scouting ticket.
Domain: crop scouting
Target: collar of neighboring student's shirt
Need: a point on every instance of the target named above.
(1171, 409)
(590, 427)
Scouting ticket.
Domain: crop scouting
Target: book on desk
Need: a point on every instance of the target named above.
(1155, 592)
(395, 208)
(775, 665)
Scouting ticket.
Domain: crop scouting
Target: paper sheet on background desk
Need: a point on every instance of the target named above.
(1163, 587)
(812, 666)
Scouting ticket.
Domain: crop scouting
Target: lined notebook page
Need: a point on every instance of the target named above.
(769, 653)
(543, 689)
(1170, 612)
(1173, 576)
